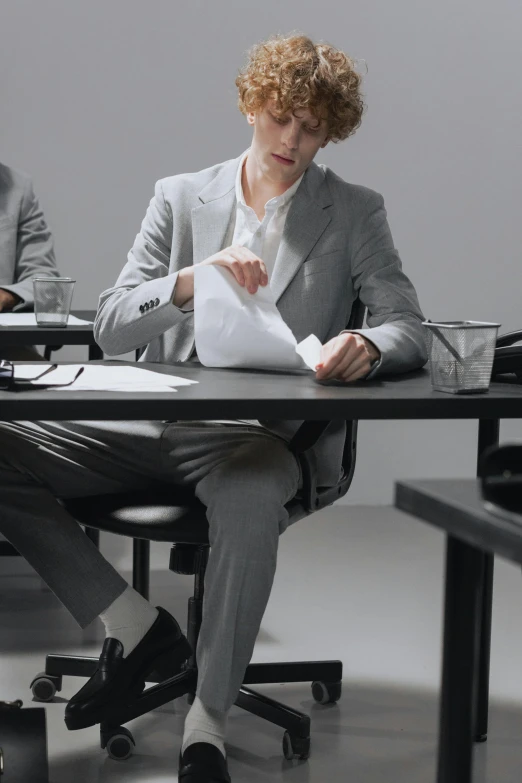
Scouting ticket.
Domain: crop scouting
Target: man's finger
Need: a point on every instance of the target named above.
(250, 278)
(337, 359)
(327, 351)
(357, 370)
(252, 266)
(237, 271)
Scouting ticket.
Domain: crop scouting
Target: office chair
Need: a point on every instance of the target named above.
(177, 517)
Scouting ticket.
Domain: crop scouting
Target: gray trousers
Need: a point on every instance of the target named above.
(243, 474)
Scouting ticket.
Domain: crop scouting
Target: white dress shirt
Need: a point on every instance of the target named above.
(261, 237)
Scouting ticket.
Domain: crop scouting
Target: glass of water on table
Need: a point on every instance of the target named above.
(52, 300)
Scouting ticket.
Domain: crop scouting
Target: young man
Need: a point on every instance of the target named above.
(26, 249)
(271, 217)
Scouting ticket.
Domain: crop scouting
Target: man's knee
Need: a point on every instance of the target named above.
(247, 512)
(263, 470)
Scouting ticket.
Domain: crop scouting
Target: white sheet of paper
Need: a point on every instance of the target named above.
(29, 319)
(234, 328)
(103, 378)
(309, 350)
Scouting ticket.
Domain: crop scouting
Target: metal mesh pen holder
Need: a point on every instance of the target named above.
(52, 300)
(461, 355)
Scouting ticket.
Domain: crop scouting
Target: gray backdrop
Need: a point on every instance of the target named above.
(99, 99)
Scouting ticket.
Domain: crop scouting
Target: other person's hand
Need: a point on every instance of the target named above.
(347, 357)
(246, 267)
(8, 300)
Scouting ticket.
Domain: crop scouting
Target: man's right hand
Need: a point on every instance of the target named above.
(247, 268)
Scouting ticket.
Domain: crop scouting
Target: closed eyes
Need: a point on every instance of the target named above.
(285, 120)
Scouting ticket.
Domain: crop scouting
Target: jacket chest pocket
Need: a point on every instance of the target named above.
(333, 263)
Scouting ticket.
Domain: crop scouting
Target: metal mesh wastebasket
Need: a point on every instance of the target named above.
(461, 355)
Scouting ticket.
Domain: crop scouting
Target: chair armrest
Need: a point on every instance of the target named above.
(313, 497)
(307, 435)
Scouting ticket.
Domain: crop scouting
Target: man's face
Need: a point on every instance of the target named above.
(284, 147)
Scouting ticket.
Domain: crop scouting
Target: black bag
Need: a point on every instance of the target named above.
(23, 744)
(501, 480)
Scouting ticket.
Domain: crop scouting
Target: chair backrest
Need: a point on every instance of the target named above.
(314, 497)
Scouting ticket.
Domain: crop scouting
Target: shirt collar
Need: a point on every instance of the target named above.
(277, 201)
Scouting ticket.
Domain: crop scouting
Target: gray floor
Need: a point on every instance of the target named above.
(363, 584)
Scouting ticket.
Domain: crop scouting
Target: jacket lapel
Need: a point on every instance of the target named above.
(306, 220)
(212, 218)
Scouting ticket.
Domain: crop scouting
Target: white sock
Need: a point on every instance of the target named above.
(128, 619)
(204, 725)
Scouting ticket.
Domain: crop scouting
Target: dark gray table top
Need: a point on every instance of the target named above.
(51, 335)
(249, 394)
(455, 506)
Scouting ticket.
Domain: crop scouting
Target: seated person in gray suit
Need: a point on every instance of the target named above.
(270, 216)
(26, 249)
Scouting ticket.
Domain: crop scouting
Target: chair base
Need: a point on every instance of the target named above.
(296, 723)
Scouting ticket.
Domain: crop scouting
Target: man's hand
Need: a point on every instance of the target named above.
(246, 267)
(346, 357)
(8, 300)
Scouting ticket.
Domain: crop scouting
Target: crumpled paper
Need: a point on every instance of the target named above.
(234, 328)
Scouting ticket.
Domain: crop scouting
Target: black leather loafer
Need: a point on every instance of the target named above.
(163, 649)
(203, 763)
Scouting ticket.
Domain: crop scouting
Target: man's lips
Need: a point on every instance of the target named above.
(288, 161)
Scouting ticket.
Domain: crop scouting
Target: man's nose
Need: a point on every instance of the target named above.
(291, 138)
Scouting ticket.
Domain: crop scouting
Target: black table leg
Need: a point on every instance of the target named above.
(462, 610)
(48, 349)
(487, 436)
(95, 352)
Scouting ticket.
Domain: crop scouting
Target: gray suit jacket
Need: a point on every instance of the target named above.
(336, 245)
(26, 244)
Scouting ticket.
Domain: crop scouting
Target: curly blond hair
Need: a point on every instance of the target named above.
(297, 73)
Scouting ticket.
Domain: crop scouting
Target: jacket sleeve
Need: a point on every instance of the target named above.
(139, 307)
(394, 319)
(34, 250)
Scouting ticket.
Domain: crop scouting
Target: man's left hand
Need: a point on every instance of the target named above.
(347, 357)
(8, 300)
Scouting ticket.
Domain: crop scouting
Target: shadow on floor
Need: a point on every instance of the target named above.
(376, 734)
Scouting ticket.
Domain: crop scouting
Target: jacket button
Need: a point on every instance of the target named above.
(146, 305)
(151, 303)
(141, 308)
(156, 302)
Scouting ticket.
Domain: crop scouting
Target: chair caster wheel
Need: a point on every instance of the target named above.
(326, 692)
(295, 747)
(118, 741)
(44, 686)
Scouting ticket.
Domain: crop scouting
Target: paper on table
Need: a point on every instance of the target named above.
(102, 378)
(309, 350)
(234, 328)
(29, 319)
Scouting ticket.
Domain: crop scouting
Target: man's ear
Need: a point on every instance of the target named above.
(325, 142)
